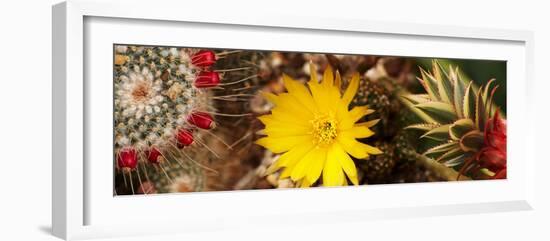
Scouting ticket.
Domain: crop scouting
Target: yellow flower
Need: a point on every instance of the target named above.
(315, 131)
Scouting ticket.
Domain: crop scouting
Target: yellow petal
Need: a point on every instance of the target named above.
(352, 89)
(334, 102)
(328, 78)
(358, 112)
(286, 131)
(370, 149)
(338, 81)
(300, 170)
(313, 73)
(290, 158)
(355, 148)
(304, 183)
(368, 123)
(337, 153)
(266, 119)
(280, 129)
(288, 103)
(342, 114)
(282, 144)
(345, 182)
(286, 116)
(316, 166)
(280, 120)
(359, 132)
(332, 173)
(327, 91)
(270, 97)
(353, 116)
(286, 173)
(303, 166)
(351, 146)
(300, 92)
(320, 96)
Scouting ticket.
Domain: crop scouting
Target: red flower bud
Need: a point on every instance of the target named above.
(153, 155)
(127, 159)
(492, 159)
(493, 155)
(201, 120)
(206, 79)
(184, 138)
(203, 58)
(500, 175)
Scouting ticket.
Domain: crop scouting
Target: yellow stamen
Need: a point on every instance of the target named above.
(324, 130)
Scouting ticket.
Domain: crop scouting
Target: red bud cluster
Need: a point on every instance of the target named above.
(493, 155)
(206, 78)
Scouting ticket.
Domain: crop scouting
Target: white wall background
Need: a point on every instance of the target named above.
(25, 120)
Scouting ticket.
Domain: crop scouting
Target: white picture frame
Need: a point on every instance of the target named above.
(86, 210)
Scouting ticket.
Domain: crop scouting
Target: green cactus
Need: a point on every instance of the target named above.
(453, 113)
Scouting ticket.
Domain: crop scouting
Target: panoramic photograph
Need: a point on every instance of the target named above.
(200, 120)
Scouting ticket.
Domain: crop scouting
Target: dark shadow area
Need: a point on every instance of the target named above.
(46, 229)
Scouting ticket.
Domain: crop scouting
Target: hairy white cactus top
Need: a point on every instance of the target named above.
(154, 94)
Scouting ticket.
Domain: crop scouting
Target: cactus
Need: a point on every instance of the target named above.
(186, 119)
(164, 111)
(379, 168)
(377, 97)
(463, 123)
(380, 88)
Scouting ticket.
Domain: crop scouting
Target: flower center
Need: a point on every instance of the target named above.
(324, 130)
(140, 92)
